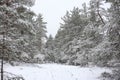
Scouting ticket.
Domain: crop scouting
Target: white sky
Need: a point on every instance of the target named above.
(53, 10)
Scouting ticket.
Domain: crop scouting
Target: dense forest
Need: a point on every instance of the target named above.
(87, 36)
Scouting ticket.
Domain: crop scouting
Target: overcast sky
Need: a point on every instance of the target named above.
(53, 10)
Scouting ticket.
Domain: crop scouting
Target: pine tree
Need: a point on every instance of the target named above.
(73, 25)
(96, 12)
(114, 29)
(50, 43)
(14, 27)
(79, 34)
(50, 50)
(40, 32)
(72, 28)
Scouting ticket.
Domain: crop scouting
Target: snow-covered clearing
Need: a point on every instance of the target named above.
(55, 72)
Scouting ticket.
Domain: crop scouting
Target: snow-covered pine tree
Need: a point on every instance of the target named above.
(40, 32)
(28, 48)
(73, 26)
(38, 41)
(14, 27)
(96, 12)
(79, 34)
(114, 28)
(50, 43)
(50, 50)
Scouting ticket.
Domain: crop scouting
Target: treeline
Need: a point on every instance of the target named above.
(87, 36)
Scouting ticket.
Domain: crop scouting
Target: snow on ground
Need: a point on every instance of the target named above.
(55, 72)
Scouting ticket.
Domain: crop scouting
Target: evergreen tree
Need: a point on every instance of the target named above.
(50, 50)
(73, 26)
(96, 12)
(14, 27)
(114, 28)
(50, 43)
(79, 34)
(40, 32)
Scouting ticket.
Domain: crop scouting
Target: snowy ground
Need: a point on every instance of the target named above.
(55, 72)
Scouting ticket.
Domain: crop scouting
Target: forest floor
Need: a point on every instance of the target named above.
(55, 72)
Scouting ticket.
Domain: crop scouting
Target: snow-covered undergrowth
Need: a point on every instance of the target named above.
(55, 72)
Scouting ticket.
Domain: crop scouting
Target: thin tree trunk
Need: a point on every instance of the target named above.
(98, 12)
(3, 48)
(101, 18)
(3, 53)
(2, 66)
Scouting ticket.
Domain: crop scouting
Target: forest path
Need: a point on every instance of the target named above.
(56, 72)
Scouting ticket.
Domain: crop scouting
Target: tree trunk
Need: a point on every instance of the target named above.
(2, 68)
(2, 56)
